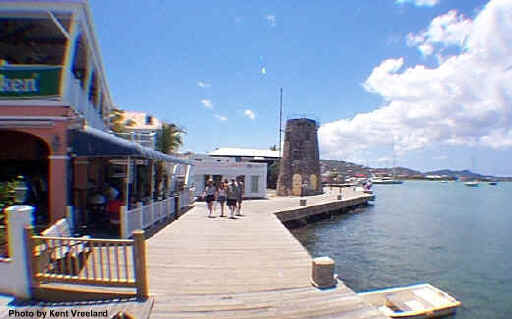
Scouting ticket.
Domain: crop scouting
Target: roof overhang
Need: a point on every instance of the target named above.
(92, 142)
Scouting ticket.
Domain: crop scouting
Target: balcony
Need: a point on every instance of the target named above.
(78, 98)
(44, 61)
(143, 138)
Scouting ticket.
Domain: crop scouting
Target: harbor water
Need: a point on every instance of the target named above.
(455, 237)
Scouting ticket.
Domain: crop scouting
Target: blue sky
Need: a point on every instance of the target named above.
(425, 78)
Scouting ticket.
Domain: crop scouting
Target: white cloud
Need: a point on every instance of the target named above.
(203, 84)
(383, 159)
(271, 19)
(419, 3)
(447, 30)
(466, 100)
(207, 103)
(221, 117)
(250, 114)
(426, 49)
(263, 70)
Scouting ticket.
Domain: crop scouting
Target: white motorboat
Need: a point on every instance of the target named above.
(472, 184)
(417, 301)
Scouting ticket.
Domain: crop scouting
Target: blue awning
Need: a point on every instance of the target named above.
(95, 143)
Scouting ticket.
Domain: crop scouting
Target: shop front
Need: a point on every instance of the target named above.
(253, 175)
(111, 175)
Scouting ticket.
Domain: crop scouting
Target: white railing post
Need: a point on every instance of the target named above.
(123, 218)
(141, 218)
(70, 216)
(156, 211)
(17, 273)
(152, 210)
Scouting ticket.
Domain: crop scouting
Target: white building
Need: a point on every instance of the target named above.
(247, 154)
(205, 167)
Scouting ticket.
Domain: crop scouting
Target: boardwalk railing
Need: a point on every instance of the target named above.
(185, 197)
(145, 216)
(87, 261)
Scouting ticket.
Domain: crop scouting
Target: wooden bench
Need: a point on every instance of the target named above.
(61, 255)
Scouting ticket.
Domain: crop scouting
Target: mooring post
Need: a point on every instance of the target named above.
(322, 275)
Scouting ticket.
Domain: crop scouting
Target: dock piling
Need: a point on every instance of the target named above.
(322, 275)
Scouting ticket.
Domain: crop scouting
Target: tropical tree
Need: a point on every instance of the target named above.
(168, 140)
(273, 174)
(118, 123)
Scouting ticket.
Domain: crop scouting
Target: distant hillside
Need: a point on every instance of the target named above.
(399, 171)
(352, 169)
(464, 174)
(343, 168)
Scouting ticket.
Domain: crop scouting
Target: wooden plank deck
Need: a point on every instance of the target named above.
(137, 308)
(249, 267)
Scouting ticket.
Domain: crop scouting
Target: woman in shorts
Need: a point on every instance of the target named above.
(210, 191)
(232, 196)
(221, 197)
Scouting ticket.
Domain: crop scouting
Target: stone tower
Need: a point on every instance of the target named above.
(299, 172)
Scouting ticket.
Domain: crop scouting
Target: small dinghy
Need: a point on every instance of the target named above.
(417, 301)
(472, 184)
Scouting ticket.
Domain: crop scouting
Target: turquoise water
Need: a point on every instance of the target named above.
(455, 237)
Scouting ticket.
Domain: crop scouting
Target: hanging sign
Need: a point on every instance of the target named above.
(29, 81)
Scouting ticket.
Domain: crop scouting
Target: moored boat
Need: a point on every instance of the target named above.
(386, 180)
(493, 183)
(416, 301)
(472, 184)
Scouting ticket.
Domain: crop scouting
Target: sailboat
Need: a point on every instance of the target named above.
(472, 183)
(388, 179)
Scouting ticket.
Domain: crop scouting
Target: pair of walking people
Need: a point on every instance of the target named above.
(224, 193)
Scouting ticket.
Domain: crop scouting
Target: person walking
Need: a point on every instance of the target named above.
(241, 189)
(210, 191)
(221, 197)
(232, 196)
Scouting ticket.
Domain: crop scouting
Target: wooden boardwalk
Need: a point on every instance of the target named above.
(137, 308)
(249, 267)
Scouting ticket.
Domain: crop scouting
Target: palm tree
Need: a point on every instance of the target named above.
(168, 140)
(118, 123)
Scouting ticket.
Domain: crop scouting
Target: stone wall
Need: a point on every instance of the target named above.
(299, 172)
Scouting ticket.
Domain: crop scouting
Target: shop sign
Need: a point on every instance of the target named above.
(29, 81)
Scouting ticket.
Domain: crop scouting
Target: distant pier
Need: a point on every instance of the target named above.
(249, 267)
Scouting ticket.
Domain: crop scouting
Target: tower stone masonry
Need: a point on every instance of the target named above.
(299, 172)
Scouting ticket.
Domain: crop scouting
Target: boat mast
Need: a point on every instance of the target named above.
(394, 157)
(280, 120)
